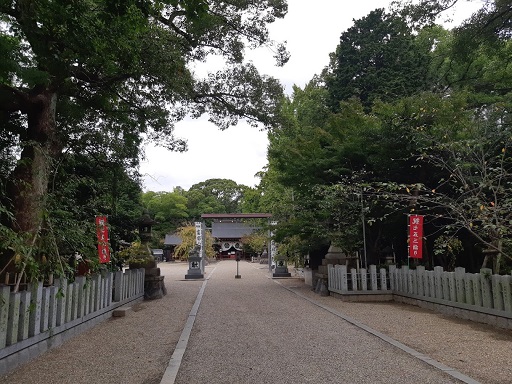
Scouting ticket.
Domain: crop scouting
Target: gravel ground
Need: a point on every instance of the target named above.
(477, 350)
(252, 330)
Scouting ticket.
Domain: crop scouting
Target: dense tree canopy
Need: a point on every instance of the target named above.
(408, 117)
(105, 69)
(377, 58)
(101, 76)
(214, 196)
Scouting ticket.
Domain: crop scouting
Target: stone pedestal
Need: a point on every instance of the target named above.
(154, 286)
(195, 269)
(281, 269)
(308, 276)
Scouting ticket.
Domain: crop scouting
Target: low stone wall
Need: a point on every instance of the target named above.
(40, 318)
(461, 311)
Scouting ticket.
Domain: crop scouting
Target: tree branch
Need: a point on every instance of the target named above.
(12, 99)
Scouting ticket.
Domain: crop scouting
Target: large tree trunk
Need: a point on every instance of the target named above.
(28, 183)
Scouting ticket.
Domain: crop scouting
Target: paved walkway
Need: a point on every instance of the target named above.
(262, 330)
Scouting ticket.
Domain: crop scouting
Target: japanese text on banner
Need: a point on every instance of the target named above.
(102, 233)
(415, 236)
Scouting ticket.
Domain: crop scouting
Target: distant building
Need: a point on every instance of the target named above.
(170, 243)
(229, 228)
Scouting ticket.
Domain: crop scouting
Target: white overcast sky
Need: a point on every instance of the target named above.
(312, 31)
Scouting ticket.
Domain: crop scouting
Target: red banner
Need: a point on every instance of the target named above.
(415, 236)
(102, 232)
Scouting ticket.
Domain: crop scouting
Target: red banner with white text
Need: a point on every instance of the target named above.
(102, 232)
(415, 236)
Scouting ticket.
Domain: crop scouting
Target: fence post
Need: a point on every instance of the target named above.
(392, 277)
(414, 281)
(80, 305)
(446, 286)
(459, 284)
(52, 308)
(330, 277)
(339, 277)
(507, 294)
(364, 281)
(468, 284)
(69, 302)
(420, 272)
(118, 286)
(383, 280)
(438, 282)
(74, 300)
(60, 298)
(24, 315)
(103, 291)
(477, 289)
(497, 292)
(344, 278)
(410, 281)
(373, 278)
(404, 279)
(87, 296)
(110, 288)
(97, 292)
(45, 309)
(451, 286)
(4, 314)
(14, 318)
(485, 282)
(353, 273)
(36, 292)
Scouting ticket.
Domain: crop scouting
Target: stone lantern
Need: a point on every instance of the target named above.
(154, 286)
(145, 223)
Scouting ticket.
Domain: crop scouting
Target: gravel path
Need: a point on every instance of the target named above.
(252, 330)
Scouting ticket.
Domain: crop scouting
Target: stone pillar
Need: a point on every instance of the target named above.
(194, 264)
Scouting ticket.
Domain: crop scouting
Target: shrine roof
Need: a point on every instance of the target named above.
(231, 230)
(236, 215)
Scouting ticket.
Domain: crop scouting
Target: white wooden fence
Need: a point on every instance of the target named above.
(40, 313)
(363, 281)
(480, 290)
(481, 297)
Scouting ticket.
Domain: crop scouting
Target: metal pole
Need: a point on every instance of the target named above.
(364, 229)
(237, 276)
(268, 246)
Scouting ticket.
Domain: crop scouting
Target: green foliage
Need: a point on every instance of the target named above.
(377, 59)
(92, 80)
(135, 253)
(99, 77)
(255, 242)
(449, 248)
(168, 209)
(403, 120)
(214, 196)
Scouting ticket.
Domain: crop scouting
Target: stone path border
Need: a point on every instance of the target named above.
(173, 367)
(434, 363)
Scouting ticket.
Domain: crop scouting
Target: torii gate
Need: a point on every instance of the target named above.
(221, 216)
